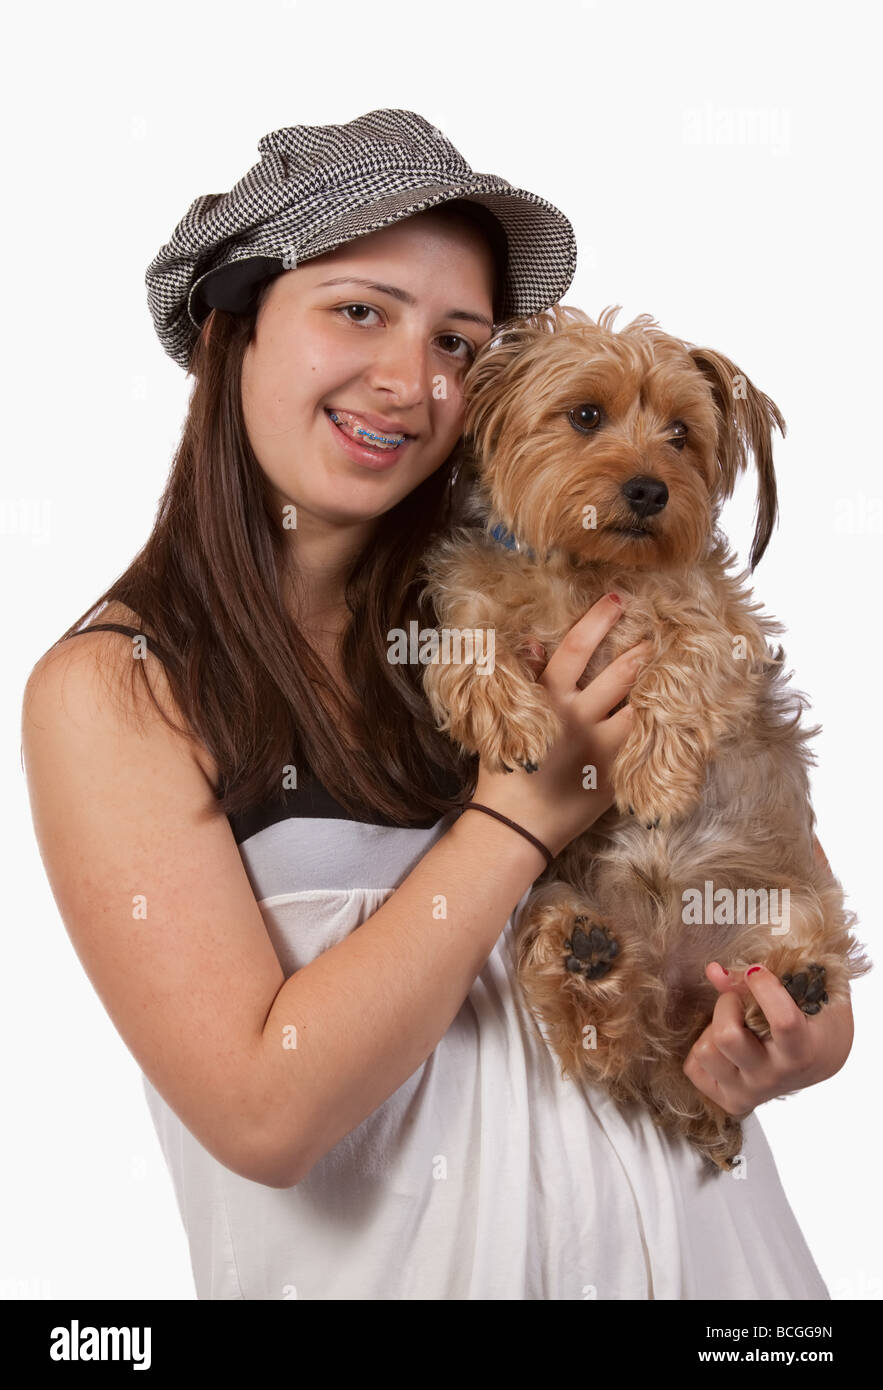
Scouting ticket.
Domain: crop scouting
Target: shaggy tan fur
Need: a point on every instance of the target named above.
(712, 783)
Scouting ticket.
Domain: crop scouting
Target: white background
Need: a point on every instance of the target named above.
(720, 164)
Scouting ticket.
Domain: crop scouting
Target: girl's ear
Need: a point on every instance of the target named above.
(746, 418)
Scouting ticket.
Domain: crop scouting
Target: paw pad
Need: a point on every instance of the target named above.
(807, 988)
(590, 953)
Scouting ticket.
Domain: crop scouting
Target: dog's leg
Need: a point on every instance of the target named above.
(810, 948)
(588, 981)
(504, 715)
(696, 693)
(580, 975)
(494, 706)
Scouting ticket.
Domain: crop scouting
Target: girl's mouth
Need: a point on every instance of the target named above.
(364, 445)
(359, 430)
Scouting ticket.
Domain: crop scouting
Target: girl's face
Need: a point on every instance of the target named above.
(393, 337)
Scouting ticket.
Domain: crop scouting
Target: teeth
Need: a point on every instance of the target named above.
(350, 425)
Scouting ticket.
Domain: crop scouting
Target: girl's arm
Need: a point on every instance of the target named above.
(153, 892)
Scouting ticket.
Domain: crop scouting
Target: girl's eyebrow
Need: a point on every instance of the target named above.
(404, 296)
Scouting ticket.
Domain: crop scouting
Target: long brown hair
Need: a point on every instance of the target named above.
(207, 585)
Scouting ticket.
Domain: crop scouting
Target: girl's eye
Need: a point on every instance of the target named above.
(455, 338)
(346, 308)
(449, 337)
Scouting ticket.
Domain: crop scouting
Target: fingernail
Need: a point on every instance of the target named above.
(725, 970)
(615, 598)
(751, 969)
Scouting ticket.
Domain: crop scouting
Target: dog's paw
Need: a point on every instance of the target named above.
(504, 717)
(638, 794)
(591, 950)
(655, 801)
(523, 739)
(806, 987)
(647, 812)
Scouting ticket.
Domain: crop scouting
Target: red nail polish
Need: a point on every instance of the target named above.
(725, 970)
(615, 597)
(751, 969)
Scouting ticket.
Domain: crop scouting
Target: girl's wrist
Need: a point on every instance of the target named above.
(499, 840)
(513, 825)
(532, 813)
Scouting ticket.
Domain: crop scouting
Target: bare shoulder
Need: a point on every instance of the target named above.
(89, 680)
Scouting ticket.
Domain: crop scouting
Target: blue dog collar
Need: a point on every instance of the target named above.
(508, 539)
(504, 537)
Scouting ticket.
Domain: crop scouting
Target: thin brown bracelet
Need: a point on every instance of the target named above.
(475, 806)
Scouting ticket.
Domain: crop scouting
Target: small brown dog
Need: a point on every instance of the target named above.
(609, 456)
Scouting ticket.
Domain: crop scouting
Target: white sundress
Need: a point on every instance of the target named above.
(485, 1176)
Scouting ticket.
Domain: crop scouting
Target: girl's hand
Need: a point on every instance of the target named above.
(731, 1066)
(555, 803)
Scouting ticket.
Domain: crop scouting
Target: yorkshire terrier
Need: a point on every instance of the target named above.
(602, 462)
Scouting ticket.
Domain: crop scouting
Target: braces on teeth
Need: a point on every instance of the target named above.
(381, 438)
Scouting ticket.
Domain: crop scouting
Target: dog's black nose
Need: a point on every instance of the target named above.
(645, 495)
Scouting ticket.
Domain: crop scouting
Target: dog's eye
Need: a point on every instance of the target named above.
(679, 438)
(585, 418)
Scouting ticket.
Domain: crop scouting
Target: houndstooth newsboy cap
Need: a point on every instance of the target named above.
(317, 187)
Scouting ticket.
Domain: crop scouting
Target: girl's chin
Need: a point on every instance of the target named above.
(340, 508)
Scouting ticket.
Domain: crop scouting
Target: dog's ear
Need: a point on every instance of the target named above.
(500, 368)
(745, 425)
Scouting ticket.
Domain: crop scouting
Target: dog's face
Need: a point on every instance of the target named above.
(615, 447)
